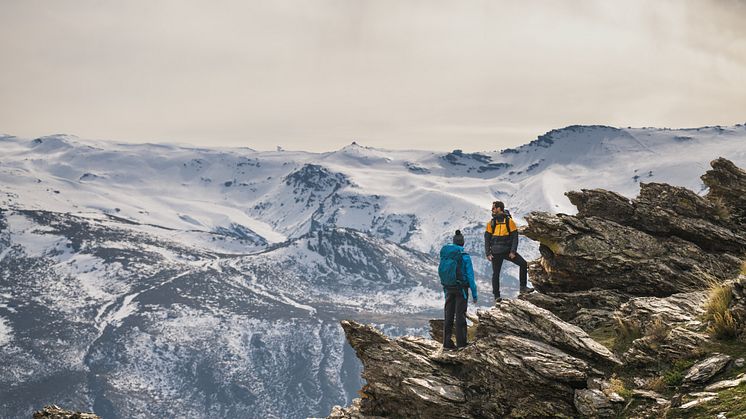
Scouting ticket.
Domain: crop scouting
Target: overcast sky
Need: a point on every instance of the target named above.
(318, 74)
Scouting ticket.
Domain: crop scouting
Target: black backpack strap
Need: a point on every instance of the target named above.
(494, 224)
(507, 223)
(459, 263)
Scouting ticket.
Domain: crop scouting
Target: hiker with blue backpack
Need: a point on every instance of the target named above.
(457, 277)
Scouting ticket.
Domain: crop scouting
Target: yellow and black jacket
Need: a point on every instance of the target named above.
(501, 236)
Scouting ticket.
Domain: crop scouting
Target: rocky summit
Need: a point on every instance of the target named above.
(639, 312)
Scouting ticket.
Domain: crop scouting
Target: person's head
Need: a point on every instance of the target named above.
(458, 238)
(498, 207)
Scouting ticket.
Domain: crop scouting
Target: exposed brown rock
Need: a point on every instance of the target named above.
(524, 362)
(56, 412)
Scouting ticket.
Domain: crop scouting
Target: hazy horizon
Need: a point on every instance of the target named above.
(430, 75)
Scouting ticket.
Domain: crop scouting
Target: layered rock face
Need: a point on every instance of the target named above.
(525, 362)
(56, 412)
(668, 240)
(641, 265)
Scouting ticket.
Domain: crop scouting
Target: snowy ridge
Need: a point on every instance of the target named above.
(414, 198)
(212, 281)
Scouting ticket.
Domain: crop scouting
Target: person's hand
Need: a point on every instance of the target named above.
(511, 255)
(489, 257)
(475, 300)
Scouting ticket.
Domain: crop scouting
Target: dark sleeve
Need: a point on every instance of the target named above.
(487, 240)
(514, 241)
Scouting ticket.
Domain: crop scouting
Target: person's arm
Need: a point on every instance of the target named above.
(513, 239)
(487, 240)
(470, 276)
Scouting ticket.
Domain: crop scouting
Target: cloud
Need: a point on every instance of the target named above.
(406, 73)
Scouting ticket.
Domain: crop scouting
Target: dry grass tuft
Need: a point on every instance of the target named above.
(658, 330)
(722, 324)
(617, 386)
(721, 209)
(626, 331)
(657, 384)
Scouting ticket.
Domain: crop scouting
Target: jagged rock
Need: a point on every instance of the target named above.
(705, 370)
(596, 253)
(737, 306)
(649, 405)
(722, 385)
(351, 412)
(436, 330)
(676, 343)
(664, 210)
(698, 401)
(650, 395)
(586, 309)
(727, 184)
(521, 318)
(668, 240)
(594, 403)
(524, 362)
(437, 325)
(56, 412)
(683, 308)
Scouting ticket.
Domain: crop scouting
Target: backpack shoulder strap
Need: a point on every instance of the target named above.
(459, 267)
(507, 222)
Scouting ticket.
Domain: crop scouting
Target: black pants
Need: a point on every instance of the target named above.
(455, 306)
(497, 264)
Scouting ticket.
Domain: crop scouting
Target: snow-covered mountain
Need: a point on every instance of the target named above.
(139, 279)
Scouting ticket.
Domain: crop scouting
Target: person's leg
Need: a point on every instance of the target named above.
(523, 270)
(449, 310)
(497, 264)
(461, 305)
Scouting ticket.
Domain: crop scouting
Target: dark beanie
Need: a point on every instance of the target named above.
(458, 238)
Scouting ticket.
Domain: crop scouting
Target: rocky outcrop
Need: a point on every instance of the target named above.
(525, 361)
(663, 210)
(668, 240)
(641, 266)
(727, 184)
(56, 412)
(597, 253)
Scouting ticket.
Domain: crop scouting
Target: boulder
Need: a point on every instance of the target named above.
(722, 385)
(594, 403)
(705, 370)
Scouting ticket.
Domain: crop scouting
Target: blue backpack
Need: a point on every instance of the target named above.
(450, 269)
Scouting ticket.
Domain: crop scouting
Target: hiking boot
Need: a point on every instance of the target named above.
(449, 348)
(526, 290)
(497, 299)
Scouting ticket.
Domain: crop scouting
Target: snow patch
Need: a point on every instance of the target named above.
(6, 332)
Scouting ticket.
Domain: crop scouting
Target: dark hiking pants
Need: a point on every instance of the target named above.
(455, 307)
(497, 264)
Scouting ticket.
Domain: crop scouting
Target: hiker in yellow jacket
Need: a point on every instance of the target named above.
(501, 243)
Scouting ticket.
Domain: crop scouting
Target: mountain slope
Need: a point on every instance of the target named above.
(157, 277)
